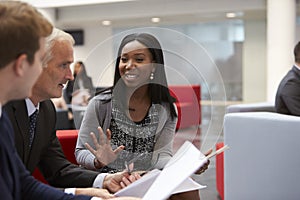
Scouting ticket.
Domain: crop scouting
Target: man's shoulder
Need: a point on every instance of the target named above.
(47, 104)
(13, 105)
(293, 75)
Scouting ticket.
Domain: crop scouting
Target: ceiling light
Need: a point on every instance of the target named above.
(230, 15)
(155, 19)
(234, 14)
(106, 22)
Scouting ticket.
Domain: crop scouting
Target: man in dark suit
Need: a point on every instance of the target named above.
(45, 151)
(22, 39)
(288, 94)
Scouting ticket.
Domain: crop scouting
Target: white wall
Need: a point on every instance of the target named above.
(254, 62)
(96, 53)
(49, 13)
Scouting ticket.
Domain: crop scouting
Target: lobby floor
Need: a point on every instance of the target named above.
(209, 136)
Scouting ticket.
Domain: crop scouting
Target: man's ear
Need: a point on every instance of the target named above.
(20, 65)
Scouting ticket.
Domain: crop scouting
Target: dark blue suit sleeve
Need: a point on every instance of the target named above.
(16, 183)
(33, 189)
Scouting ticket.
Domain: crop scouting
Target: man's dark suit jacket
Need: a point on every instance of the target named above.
(288, 94)
(46, 152)
(15, 181)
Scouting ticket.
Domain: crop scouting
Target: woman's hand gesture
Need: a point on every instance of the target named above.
(103, 153)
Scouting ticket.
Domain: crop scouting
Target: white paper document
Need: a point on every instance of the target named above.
(174, 178)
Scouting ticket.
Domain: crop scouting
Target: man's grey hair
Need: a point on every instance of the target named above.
(56, 35)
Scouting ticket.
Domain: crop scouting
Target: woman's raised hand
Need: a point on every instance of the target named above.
(104, 154)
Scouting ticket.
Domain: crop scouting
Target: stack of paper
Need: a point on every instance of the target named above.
(174, 178)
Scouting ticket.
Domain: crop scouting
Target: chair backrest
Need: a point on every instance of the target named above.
(263, 159)
(68, 139)
(188, 104)
(186, 93)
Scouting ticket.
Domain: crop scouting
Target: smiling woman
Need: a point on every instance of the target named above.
(137, 113)
(139, 108)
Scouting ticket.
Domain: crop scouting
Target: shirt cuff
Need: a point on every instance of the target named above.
(70, 190)
(89, 161)
(96, 198)
(98, 182)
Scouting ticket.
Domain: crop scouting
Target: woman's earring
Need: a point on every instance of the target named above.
(152, 76)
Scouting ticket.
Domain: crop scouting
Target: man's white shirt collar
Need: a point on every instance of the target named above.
(30, 106)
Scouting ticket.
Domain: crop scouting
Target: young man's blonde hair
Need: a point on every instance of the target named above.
(21, 27)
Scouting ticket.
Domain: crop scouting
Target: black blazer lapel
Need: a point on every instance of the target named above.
(43, 134)
(18, 115)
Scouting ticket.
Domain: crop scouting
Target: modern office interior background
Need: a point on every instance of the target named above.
(237, 50)
(240, 46)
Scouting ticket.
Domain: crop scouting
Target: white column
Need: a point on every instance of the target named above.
(281, 27)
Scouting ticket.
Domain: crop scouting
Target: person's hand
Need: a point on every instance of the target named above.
(204, 167)
(85, 99)
(95, 192)
(117, 181)
(103, 152)
(127, 180)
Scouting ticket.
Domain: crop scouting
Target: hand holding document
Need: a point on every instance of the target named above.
(217, 152)
(174, 178)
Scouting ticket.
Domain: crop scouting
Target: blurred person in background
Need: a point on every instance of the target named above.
(81, 89)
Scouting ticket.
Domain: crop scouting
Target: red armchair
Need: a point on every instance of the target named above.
(68, 139)
(188, 104)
